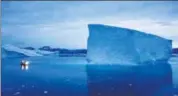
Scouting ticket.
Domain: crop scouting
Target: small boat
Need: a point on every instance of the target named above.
(24, 65)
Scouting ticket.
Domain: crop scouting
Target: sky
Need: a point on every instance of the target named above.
(64, 23)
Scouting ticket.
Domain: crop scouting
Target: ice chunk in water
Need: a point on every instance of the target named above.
(108, 44)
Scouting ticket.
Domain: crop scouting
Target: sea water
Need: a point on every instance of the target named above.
(72, 76)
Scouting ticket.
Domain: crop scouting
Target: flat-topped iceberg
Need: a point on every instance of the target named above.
(115, 45)
(117, 50)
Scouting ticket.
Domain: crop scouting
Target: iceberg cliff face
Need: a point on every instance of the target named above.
(108, 44)
(151, 48)
(113, 45)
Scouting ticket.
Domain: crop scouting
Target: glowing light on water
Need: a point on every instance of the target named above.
(22, 67)
(27, 62)
(25, 65)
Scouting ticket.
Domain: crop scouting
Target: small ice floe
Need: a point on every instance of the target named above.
(16, 93)
(45, 92)
(24, 65)
(130, 85)
(33, 86)
(23, 86)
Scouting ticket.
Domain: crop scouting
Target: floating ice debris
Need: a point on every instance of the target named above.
(45, 92)
(130, 85)
(23, 86)
(17, 93)
(24, 65)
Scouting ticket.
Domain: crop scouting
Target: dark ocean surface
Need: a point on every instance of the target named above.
(71, 76)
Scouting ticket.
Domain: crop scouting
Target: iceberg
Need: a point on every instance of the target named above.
(127, 62)
(10, 54)
(116, 45)
(13, 51)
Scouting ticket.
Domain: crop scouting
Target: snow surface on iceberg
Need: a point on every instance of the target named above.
(18, 51)
(109, 44)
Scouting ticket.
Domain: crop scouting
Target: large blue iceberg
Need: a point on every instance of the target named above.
(113, 53)
(113, 45)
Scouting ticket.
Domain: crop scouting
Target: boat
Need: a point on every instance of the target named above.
(24, 64)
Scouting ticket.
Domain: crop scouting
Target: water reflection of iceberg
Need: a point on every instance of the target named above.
(126, 80)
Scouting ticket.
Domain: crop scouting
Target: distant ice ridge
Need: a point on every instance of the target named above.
(115, 45)
(42, 52)
(17, 51)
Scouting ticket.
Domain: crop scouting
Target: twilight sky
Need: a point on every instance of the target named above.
(64, 23)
